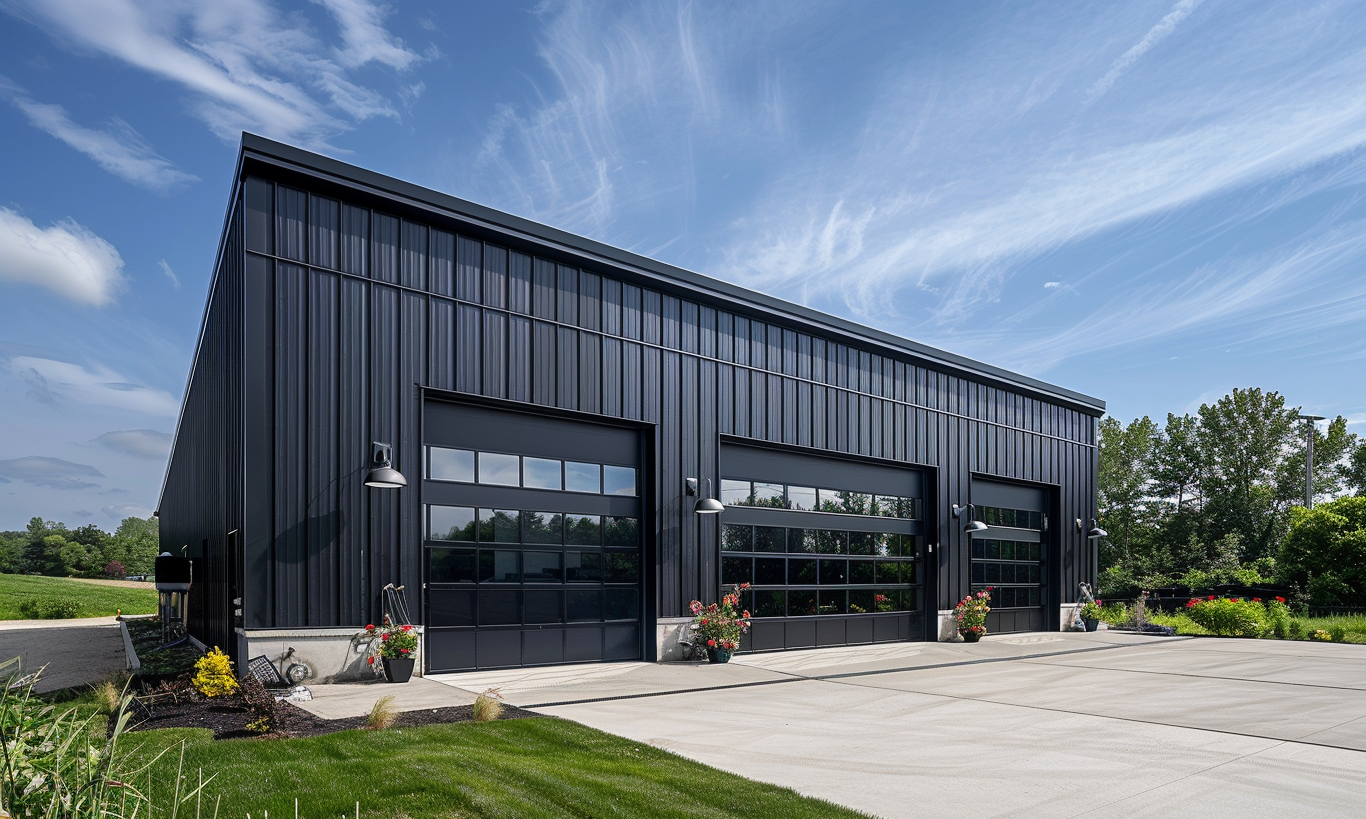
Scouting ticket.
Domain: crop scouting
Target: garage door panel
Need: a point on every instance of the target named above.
(583, 645)
(543, 647)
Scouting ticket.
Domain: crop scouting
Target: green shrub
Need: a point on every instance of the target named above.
(1278, 617)
(1228, 617)
(1296, 629)
(1338, 633)
(50, 608)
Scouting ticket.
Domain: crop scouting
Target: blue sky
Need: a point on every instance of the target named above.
(1151, 203)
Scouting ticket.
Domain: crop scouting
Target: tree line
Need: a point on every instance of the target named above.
(1212, 497)
(48, 547)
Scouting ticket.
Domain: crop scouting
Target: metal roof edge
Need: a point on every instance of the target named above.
(316, 164)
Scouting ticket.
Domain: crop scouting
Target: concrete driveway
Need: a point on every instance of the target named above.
(1030, 725)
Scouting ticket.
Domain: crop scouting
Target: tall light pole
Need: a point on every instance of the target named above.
(1309, 460)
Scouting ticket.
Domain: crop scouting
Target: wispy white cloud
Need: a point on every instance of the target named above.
(119, 149)
(140, 443)
(57, 382)
(53, 473)
(65, 257)
(170, 274)
(364, 38)
(1155, 35)
(247, 66)
(127, 510)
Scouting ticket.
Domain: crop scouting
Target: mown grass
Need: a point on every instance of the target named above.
(535, 767)
(94, 600)
(1353, 624)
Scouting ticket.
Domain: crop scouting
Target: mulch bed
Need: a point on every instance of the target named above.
(228, 719)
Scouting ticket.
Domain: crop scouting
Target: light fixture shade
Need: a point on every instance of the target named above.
(708, 506)
(1096, 532)
(385, 477)
(975, 526)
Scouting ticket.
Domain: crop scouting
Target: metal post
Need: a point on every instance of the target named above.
(1309, 460)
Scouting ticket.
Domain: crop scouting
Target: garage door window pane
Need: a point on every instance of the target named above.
(543, 527)
(622, 567)
(862, 543)
(861, 571)
(451, 523)
(769, 604)
(737, 538)
(770, 571)
(801, 572)
(500, 526)
(499, 470)
(832, 543)
(801, 603)
(543, 606)
(583, 567)
(541, 473)
(583, 530)
(500, 608)
(579, 477)
(621, 533)
(832, 602)
(618, 480)
(450, 464)
(888, 571)
(452, 566)
(621, 604)
(834, 571)
(736, 570)
(770, 495)
(802, 541)
(736, 493)
(499, 566)
(770, 539)
(801, 498)
(862, 602)
(451, 608)
(583, 605)
(542, 567)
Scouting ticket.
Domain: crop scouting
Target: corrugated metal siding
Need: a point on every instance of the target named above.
(389, 305)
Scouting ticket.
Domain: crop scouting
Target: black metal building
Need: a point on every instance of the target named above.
(558, 407)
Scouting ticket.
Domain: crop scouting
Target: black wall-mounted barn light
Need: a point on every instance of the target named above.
(1096, 532)
(973, 525)
(382, 474)
(706, 505)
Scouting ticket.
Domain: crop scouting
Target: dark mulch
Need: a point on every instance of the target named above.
(228, 718)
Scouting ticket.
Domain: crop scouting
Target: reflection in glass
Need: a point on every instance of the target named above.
(541, 567)
(802, 498)
(580, 477)
(499, 566)
(834, 571)
(736, 538)
(499, 470)
(770, 495)
(451, 566)
(801, 603)
(735, 493)
(801, 572)
(541, 473)
(801, 541)
(737, 570)
(769, 604)
(622, 567)
(583, 605)
(885, 544)
(862, 601)
(770, 571)
(909, 508)
(888, 571)
(831, 543)
(832, 602)
(861, 571)
(500, 526)
(450, 464)
(618, 480)
(583, 567)
(543, 606)
(910, 546)
(451, 523)
(770, 539)
(543, 527)
(450, 608)
(582, 530)
(862, 543)
(620, 533)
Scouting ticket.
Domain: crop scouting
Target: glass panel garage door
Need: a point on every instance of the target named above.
(532, 559)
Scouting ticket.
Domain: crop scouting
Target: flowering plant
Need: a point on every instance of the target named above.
(971, 612)
(1092, 609)
(394, 643)
(718, 626)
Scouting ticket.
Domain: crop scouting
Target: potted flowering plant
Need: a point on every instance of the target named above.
(718, 626)
(396, 648)
(1091, 611)
(971, 615)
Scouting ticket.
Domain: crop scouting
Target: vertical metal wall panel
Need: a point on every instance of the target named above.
(300, 368)
(469, 268)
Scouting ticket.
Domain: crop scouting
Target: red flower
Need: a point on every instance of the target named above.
(711, 644)
(1280, 599)
(1256, 599)
(746, 614)
(407, 628)
(370, 627)
(1211, 597)
(371, 661)
(384, 637)
(1100, 602)
(404, 650)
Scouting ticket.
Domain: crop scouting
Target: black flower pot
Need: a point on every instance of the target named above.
(970, 636)
(1091, 623)
(398, 670)
(718, 655)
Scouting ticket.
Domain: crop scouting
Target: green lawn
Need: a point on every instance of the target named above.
(95, 600)
(536, 767)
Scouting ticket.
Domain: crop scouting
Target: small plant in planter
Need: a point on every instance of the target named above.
(718, 627)
(1092, 612)
(971, 614)
(396, 648)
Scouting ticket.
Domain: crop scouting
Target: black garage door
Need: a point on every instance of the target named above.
(833, 549)
(533, 540)
(1012, 556)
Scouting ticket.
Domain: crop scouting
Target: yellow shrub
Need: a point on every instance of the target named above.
(214, 677)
